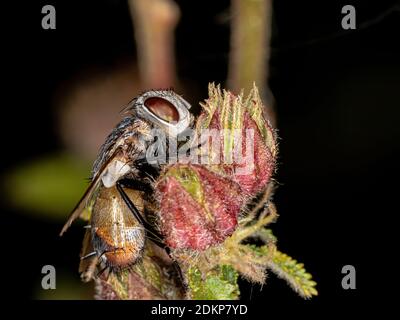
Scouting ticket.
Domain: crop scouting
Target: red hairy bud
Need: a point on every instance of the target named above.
(198, 208)
(247, 147)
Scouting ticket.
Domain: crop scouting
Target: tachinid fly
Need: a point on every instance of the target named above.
(122, 180)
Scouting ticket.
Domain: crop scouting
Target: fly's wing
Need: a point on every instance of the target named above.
(94, 185)
(87, 266)
(80, 207)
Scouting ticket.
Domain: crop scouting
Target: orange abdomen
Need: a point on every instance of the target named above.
(117, 236)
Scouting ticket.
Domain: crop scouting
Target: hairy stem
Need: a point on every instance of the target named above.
(250, 50)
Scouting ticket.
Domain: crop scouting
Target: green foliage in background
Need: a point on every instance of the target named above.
(48, 187)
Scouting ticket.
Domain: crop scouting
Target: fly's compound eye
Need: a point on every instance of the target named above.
(162, 109)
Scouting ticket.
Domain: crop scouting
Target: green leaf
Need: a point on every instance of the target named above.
(219, 284)
(294, 273)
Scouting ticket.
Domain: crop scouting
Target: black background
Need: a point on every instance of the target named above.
(337, 98)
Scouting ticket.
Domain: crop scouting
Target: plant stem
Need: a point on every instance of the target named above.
(154, 24)
(250, 50)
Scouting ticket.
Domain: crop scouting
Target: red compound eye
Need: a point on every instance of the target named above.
(162, 108)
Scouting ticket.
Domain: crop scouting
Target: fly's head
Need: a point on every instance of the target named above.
(168, 121)
(154, 119)
(164, 110)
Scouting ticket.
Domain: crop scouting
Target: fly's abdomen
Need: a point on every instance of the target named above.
(121, 251)
(117, 237)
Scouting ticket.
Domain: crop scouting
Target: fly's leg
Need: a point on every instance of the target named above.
(136, 185)
(148, 227)
(101, 272)
(89, 255)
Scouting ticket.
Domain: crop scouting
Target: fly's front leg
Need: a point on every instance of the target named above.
(147, 226)
(135, 185)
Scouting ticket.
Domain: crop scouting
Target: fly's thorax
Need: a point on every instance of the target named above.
(117, 160)
(116, 234)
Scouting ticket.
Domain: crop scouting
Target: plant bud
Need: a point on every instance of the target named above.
(246, 149)
(198, 208)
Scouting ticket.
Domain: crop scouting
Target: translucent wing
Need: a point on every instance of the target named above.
(87, 266)
(94, 185)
